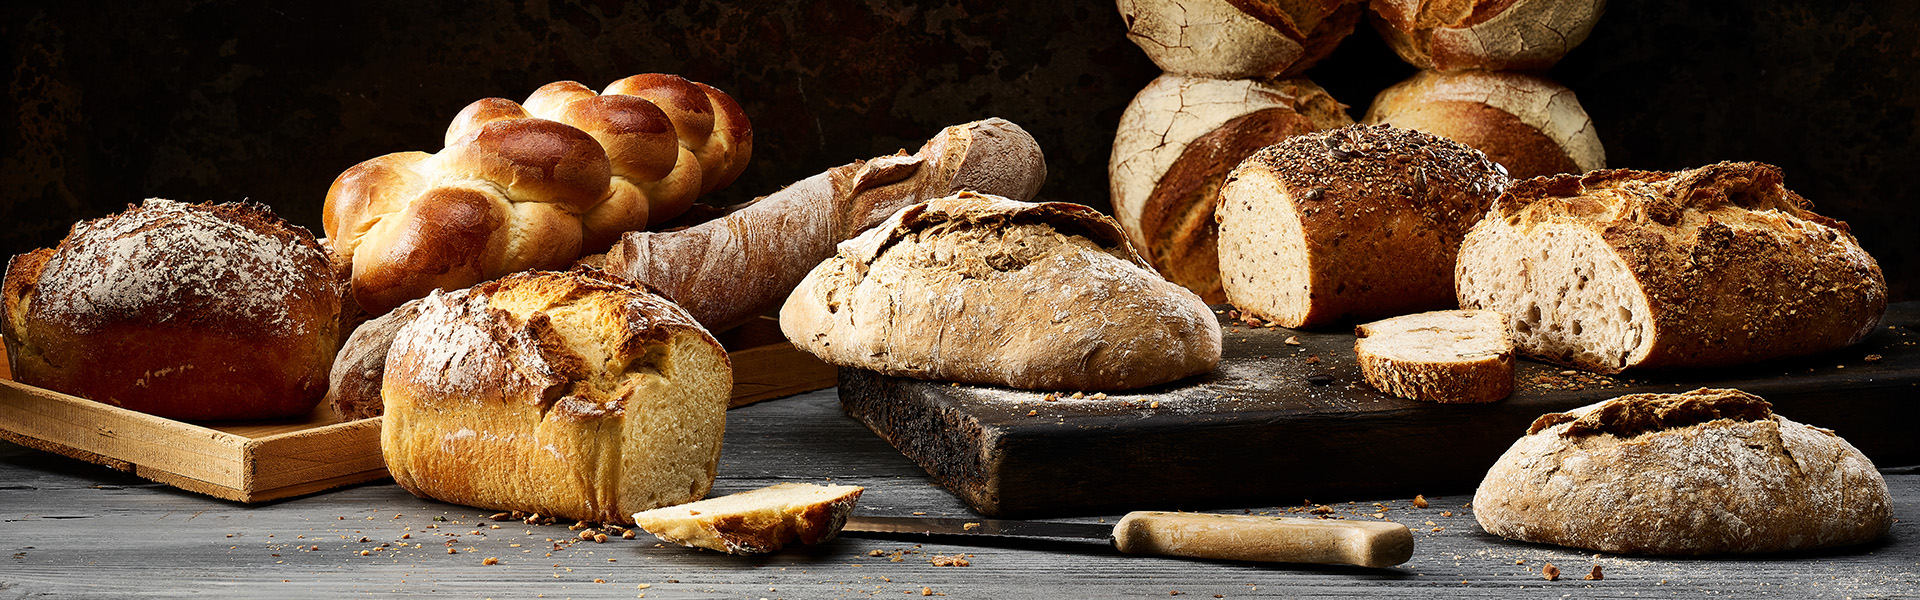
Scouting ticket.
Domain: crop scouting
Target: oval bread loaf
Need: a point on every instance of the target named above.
(1441, 356)
(1711, 471)
(184, 311)
(1494, 35)
(982, 289)
(1531, 125)
(1238, 39)
(565, 394)
(1176, 143)
(1360, 222)
(1714, 266)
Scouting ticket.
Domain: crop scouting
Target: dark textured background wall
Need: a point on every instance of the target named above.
(221, 100)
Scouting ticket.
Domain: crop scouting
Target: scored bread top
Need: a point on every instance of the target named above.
(1635, 414)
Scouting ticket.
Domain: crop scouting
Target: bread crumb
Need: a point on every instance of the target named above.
(1873, 358)
(1419, 501)
(1552, 573)
(970, 526)
(1033, 413)
(1293, 340)
(926, 591)
(956, 560)
(490, 561)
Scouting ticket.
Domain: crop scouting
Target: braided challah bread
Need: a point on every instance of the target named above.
(527, 186)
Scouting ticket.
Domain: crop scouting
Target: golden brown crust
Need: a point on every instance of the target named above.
(1382, 211)
(1531, 125)
(1495, 35)
(1705, 472)
(1239, 39)
(353, 388)
(201, 312)
(757, 521)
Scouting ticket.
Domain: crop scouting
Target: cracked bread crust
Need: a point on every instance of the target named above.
(1715, 266)
(564, 394)
(1711, 471)
(981, 289)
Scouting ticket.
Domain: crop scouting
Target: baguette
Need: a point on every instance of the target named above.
(730, 270)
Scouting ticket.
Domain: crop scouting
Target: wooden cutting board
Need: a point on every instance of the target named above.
(1259, 430)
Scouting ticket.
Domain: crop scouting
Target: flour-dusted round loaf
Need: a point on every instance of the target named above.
(1711, 471)
(564, 394)
(1176, 143)
(757, 521)
(1440, 356)
(1494, 35)
(185, 311)
(1531, 125)
(1714, 266)
(1354, 223)
(353, 388)
(1238, 39)
(530, 185)
(981, 289)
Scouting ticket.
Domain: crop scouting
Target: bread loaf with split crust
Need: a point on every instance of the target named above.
(730, 270)
(1176, 143)
(1714, 266)
(1711, 471)
(1360, 222)
(1238, 39)
(1531, 125)
(1493, 35)
(565, 394)
(982, 289)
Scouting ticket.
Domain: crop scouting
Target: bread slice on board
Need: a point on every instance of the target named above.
(1440, 356)
(758, 521)
(1714, 266)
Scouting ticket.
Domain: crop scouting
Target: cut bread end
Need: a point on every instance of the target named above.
(1441, 356)
(1571, 300)
(1265, 268)
(758, 521)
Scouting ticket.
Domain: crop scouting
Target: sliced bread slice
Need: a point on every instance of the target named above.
(1440, 356)
(755, 522)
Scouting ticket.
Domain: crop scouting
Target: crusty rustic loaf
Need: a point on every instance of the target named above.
(730, 270)
(565, 394)
(1495, 35)
(528, 186)
(1441, 356)
(757, 521)
(1176, 142)
(1238, 39)
(186, 311)
(1531, 125)
(1713, 266)
(982, 289)
(1711, 471)
(353, 388)
(1354, 223)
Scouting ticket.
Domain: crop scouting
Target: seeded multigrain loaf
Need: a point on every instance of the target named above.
(565, 394)
(1441, 356)
(758, 521)
(1713, 266)
(1354, 223)
(982, 289)
(186, 311)
(1711, 471)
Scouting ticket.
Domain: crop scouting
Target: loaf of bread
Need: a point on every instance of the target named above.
(185, 311)
(982, 289)
(1238, 39)
(353, 388)
(1354, 223)
(1718, 265)
(1531, 125)
(758, 521)
(1175, 145)
(564, 394)
(1441, 356)
(528, 186)
(733, 269)
(1494, 35)
(1711, 471)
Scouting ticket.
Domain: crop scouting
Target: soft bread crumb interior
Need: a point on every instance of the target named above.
(1264, 264)
(1569, 297)
(1435, 337)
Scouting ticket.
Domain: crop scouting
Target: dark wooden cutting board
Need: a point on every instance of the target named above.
(1259, 430)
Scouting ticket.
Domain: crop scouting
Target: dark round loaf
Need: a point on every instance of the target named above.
(198, 312)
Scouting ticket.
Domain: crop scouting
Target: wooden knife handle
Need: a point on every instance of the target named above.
(1269, 539)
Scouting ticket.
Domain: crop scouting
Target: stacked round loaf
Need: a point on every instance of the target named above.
(200, 312)
(1493, 35)
(529, 186)
(1237, 39)
(564, 394)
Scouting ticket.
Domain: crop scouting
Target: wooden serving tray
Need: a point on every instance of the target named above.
(1259, 432)
(261, 461)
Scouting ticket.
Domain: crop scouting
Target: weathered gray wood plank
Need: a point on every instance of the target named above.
(70, 529)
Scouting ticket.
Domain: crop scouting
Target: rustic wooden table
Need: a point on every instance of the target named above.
(72, 529)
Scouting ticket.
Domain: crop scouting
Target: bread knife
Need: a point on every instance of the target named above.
(1196, 535)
